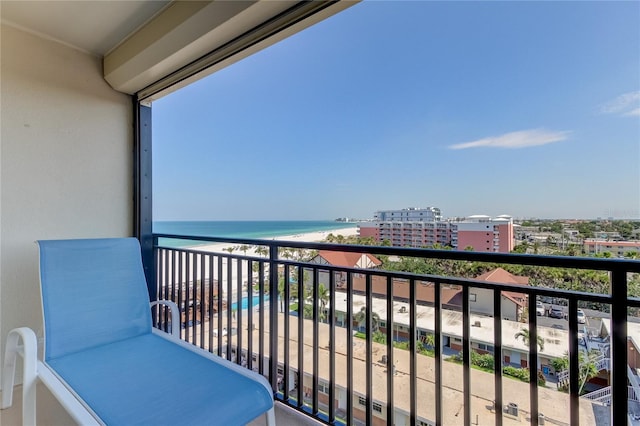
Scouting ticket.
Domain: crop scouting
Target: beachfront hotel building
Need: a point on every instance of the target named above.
(415, 227)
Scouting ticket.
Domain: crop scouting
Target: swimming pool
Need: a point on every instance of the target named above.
(255, 302)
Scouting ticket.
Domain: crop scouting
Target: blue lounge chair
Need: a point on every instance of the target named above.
(104, 361)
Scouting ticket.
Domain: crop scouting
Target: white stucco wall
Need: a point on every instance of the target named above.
(65, 162)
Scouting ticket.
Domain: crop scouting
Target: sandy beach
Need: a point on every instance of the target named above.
(201, 268)
(306, 237)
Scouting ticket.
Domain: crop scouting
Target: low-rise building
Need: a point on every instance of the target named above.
(594, 246)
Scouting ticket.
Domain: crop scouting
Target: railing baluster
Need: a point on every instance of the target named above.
(349, 412)
(273, 316)
(413, 386)
(390, 359)
(239, 330)
(332, 346)
(180, 296)
(229, 309)
(173, 285)
(314, 300)
(437, 338)
(211, 300)
(189, 303)
(466, 355)
(497, 354)
(574, 363)
(203, 300)
(301, 302)
(220, 305)
(250, 308)
(261, 319)
(285, 361)
(533, 359)
(369, 358)
(619, 307)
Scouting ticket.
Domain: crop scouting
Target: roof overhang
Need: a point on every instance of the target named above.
(189, 40)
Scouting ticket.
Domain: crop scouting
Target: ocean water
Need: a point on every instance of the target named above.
(243, 229)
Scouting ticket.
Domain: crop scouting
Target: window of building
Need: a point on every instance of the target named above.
(323, 387)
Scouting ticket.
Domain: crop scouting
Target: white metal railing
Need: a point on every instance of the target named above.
(604, 395)
(601, 363)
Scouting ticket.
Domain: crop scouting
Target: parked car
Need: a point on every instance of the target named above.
(539, 308)
(556, 312)
(582, 319)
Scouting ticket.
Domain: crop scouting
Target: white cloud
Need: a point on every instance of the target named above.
(625, 104)
(521, 139)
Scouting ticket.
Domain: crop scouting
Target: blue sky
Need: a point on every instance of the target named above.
(528, 109)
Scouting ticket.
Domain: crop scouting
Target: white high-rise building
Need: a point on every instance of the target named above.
(411, 214)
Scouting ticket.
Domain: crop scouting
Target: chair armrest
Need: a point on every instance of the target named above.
(29, 352)
(175, 315)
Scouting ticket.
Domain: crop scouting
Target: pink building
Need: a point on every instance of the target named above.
(483, 233)
(369, 229)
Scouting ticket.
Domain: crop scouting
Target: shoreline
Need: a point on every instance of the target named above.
(307, 237)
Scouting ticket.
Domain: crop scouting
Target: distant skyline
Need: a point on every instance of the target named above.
(530, 109)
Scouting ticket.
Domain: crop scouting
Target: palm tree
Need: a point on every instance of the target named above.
(361, 318)
(323, 298)
(524, 333)
(281, 284)
(262, 250)
(430, 340)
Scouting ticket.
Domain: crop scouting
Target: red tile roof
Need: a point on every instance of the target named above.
(499, 275)
(346, 259)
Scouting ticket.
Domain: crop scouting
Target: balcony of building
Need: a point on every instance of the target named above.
(327, 364)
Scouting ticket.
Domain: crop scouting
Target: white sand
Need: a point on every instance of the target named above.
(202, 270)
(306, 237)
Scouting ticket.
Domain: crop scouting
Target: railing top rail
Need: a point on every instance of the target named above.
(603, 264)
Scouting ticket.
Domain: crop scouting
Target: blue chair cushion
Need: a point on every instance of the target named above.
(148, 380)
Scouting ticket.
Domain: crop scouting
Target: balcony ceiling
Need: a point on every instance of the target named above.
(91, 26)
(149, 47)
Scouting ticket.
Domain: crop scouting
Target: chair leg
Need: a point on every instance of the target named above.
(29, 352)
(271, 417)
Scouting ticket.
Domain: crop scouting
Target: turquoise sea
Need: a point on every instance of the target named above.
(245, 229)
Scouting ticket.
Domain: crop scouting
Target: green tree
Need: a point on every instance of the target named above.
(361, 318)
(526, 339)
(281, 284)
(323, 298)
(587, 369)
(262, 250)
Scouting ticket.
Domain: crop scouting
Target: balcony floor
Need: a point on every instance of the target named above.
(51, 413)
